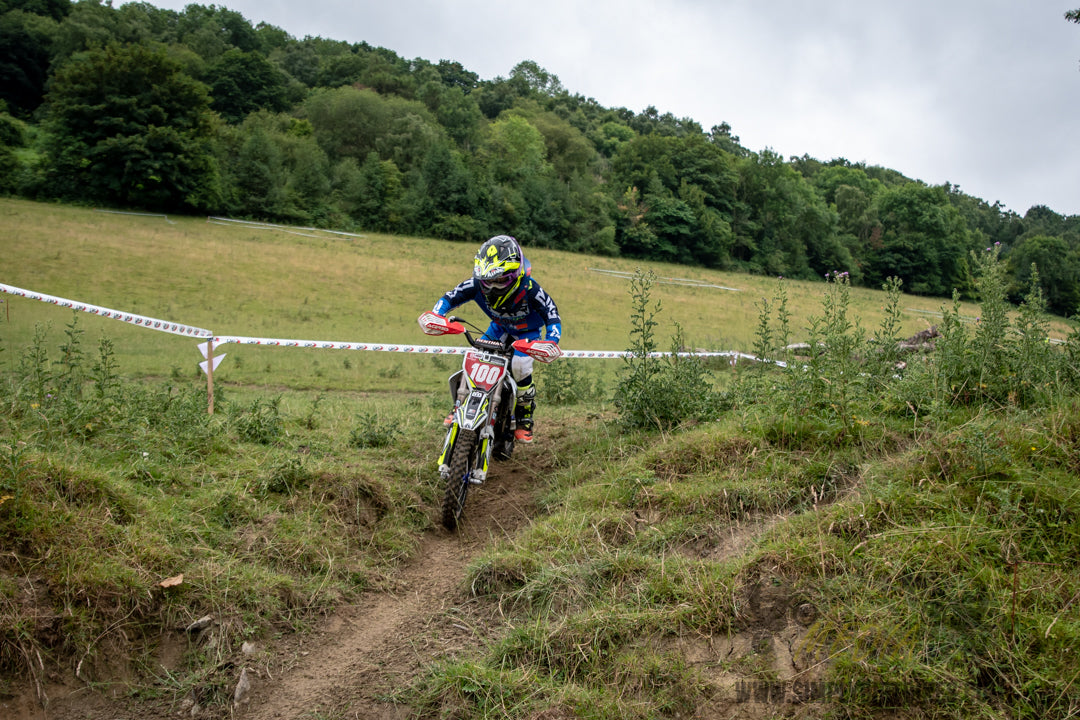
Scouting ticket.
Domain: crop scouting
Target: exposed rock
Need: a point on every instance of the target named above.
(201, 624)
(243, 687)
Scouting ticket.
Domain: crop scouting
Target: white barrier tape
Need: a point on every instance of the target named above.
(326, 345)
(607, 354)
(213, 220)
(140, 214)
(140, 320)
(459, 350)
(272, 229)
(178, 329)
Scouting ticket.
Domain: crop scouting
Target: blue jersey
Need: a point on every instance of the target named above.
(529, 310)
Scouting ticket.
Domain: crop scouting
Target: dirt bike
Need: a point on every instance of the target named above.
(484, 393)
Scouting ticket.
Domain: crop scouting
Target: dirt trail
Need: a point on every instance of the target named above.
(372, 649)
(362, 653)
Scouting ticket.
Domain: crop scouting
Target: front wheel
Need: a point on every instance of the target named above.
(457, 482)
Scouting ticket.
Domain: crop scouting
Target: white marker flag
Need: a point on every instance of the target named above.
(204, 348)
(217, 361)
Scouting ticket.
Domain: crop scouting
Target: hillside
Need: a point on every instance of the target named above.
(199, 112)
(846, 536)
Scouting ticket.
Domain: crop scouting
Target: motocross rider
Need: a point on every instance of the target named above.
(503, 286)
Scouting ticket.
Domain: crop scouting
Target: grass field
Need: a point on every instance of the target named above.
(235, 280)
(822, 545)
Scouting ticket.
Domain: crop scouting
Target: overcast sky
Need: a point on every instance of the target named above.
(984, 94)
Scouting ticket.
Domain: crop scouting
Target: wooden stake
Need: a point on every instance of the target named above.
(210, 376)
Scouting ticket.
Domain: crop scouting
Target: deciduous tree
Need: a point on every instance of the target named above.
(128, 127)
(1059, 272)
(25, 46)
(242, 82)
(924, 242)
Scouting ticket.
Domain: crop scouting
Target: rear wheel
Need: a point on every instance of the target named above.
(504, 449)
(504, 434)
(457, 484)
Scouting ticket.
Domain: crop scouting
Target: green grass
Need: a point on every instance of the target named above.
(942, 572)
(259, 283)
(267, 510)
(909, 544)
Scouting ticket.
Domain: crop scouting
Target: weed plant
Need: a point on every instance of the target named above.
(260, 422)
(654, 391)
(372, 432)
(1007, 362)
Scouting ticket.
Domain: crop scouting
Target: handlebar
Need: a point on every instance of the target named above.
(500, 347)
(543, 350)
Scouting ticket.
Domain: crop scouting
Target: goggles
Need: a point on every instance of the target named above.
(499, 283)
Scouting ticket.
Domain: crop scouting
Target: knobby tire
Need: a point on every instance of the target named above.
(504, 436)
(457, 484)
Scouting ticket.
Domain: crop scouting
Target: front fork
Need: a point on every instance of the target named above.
(487, 432)
(478, 475)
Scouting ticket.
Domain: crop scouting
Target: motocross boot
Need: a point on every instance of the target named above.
(449, 419)
(523, 414)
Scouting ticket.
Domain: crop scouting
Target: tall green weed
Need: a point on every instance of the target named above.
(64, 396)
(1005, 359)
(656, 391)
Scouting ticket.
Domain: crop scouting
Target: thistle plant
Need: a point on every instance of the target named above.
(1038, 368)
(763, 334)
(990, 372)
(783, 317)
(632, 394)
(836, 340)
(771, 342)
(656, 392)
(887, 340)
(1008, 358)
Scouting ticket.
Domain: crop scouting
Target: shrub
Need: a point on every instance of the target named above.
(12, 131)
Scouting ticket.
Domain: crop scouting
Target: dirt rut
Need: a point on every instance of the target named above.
(370, 650)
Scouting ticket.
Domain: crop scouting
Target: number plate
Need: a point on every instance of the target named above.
(484, 372)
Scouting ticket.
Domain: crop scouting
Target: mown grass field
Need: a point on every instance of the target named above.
(820, 545)
(260, 283)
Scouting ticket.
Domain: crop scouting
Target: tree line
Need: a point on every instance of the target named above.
(201, 111)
